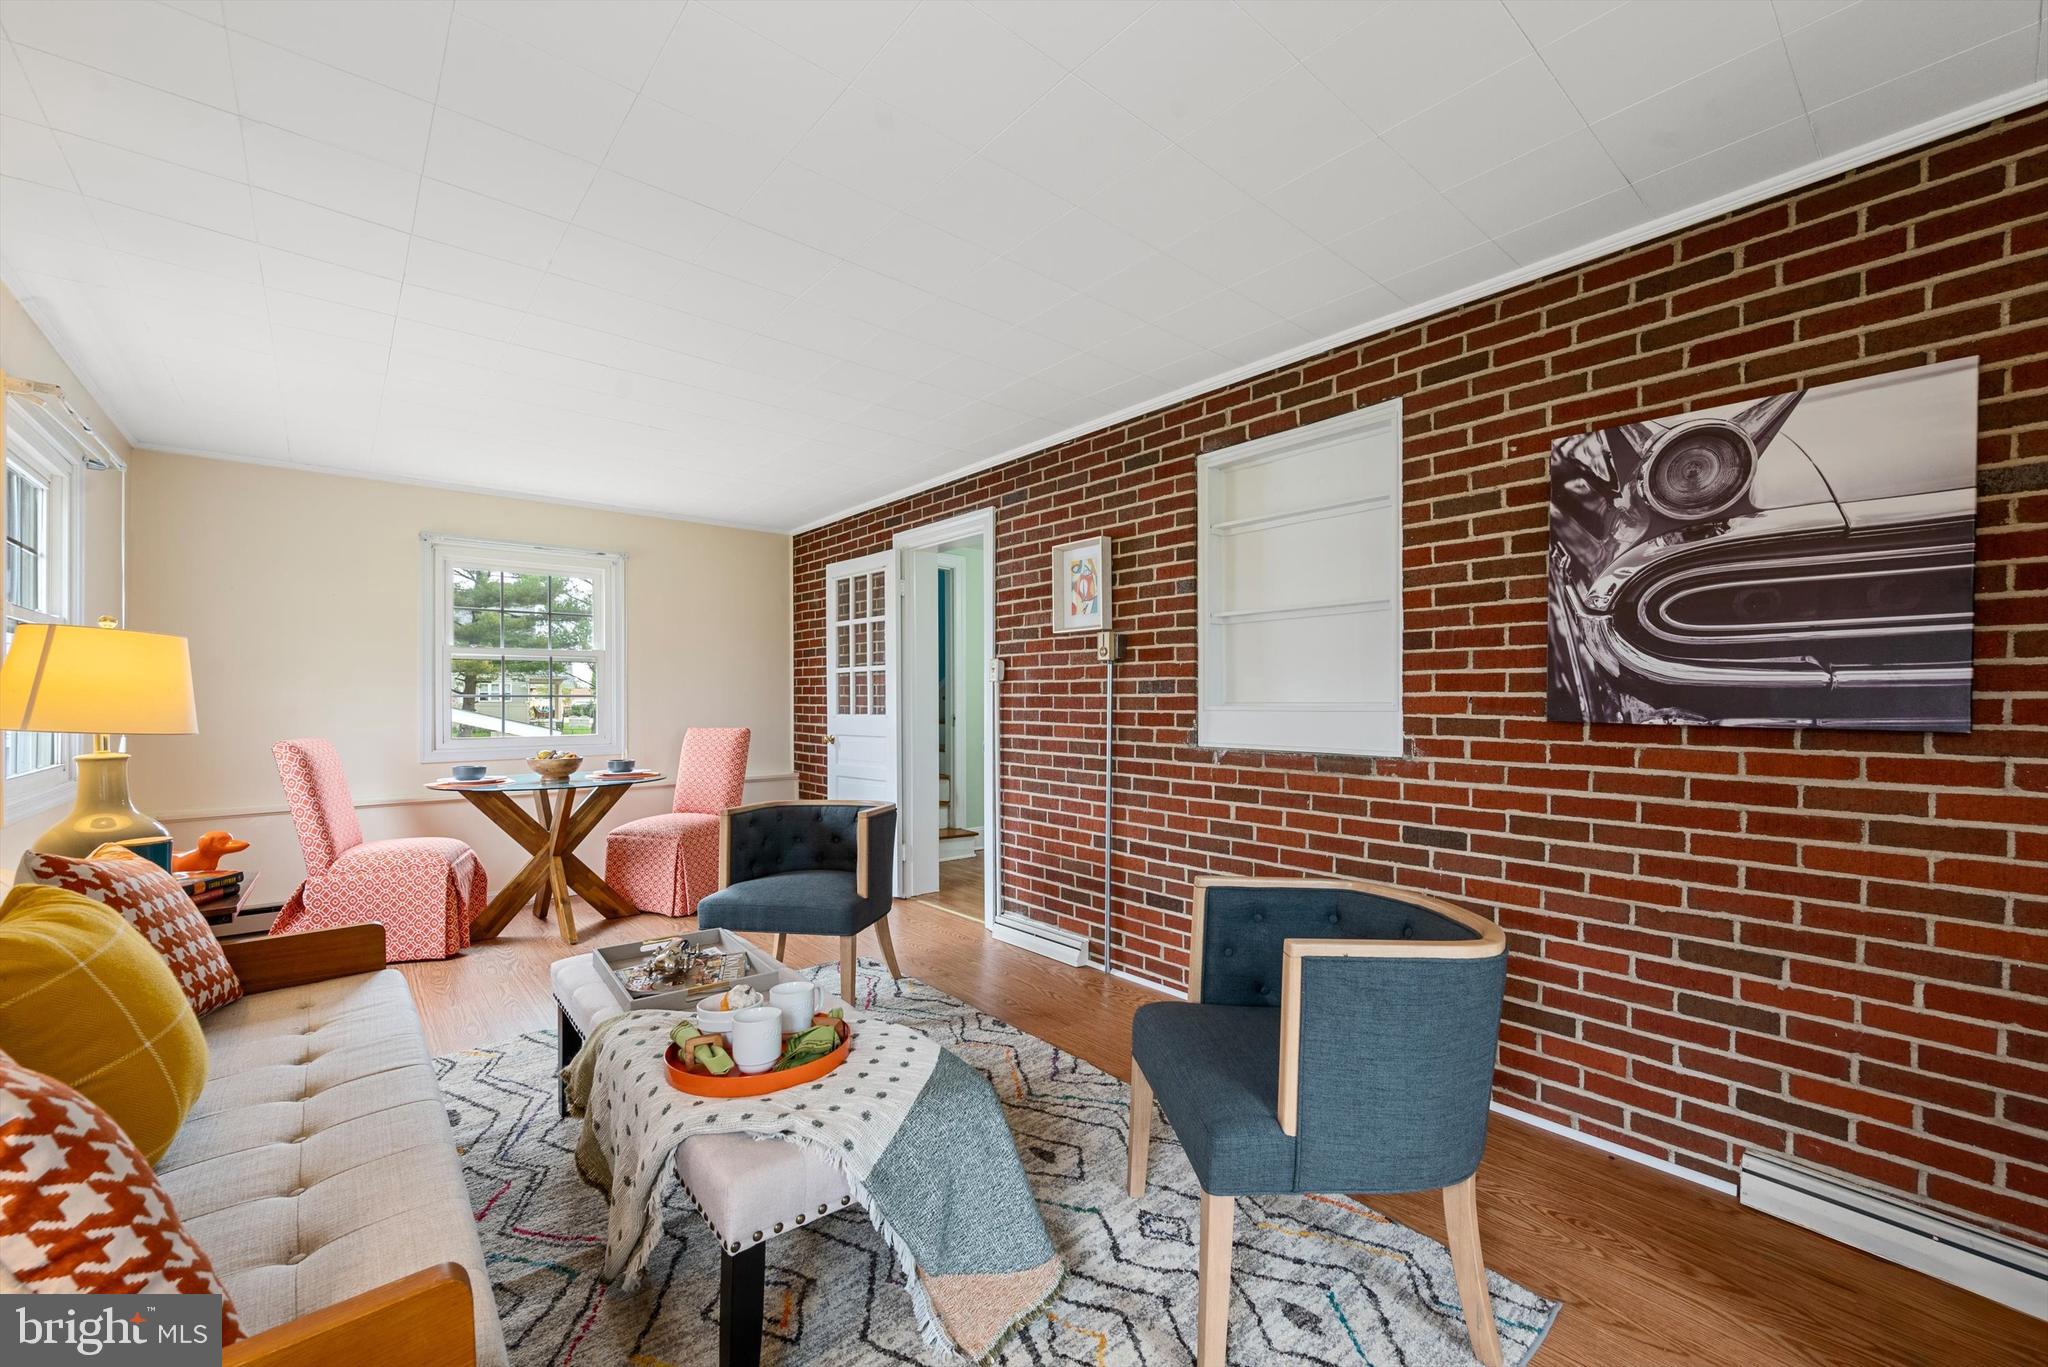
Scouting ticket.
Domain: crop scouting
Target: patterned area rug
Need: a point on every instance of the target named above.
(1315, 1280)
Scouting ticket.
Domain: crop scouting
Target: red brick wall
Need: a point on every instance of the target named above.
(1834, 945)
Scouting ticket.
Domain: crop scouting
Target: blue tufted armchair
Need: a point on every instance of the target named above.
(807, 868)
(1339, 1037)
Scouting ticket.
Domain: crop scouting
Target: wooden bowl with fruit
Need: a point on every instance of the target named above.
(554, 765)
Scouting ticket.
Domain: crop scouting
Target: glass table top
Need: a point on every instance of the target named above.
(533, 783)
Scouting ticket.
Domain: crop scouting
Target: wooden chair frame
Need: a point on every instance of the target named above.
(424, 1319)
(1461, 1202)
(863, 870)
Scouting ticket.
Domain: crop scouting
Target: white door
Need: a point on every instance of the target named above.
(860, 702)
(917, 818)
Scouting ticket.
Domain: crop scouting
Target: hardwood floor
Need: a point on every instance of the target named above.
(960, 888)
(1652, 1270)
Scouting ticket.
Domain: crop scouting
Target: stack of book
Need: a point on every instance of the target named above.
(217, 892)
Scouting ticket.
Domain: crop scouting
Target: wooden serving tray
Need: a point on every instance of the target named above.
(685, 1077)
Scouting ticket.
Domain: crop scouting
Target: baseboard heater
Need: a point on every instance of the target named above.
(1054, 943)
(1898, 1230)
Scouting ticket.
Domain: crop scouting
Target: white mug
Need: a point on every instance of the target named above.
(713, 1020)
(756, 1038)
(798, 1003)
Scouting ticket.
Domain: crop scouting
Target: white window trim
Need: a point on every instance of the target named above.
(438, 555)
(1356, 728)
(44, 454)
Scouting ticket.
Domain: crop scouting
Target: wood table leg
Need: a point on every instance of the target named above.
(565, 915)
(742, 1289)
(547, 818)
(509, 817)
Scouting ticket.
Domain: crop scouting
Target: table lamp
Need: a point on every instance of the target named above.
(107, 682)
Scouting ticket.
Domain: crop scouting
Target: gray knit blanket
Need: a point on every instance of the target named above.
(918, 1133)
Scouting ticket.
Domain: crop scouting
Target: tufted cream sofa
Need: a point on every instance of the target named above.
(318, 1172)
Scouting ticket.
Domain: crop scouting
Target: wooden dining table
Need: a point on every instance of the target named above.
(560, 822)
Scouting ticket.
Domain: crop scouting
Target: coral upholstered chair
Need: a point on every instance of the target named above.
(424, 890)
(669, 863)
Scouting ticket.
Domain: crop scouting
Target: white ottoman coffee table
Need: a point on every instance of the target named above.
(748, 1190)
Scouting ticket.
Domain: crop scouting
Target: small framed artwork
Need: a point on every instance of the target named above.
(1080, 585)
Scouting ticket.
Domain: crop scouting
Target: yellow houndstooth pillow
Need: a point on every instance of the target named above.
(85, 999)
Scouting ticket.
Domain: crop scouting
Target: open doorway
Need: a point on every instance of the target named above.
(947, 802)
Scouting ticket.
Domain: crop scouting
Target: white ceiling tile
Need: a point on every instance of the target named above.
(1794, 15)
(619, 266)
(1632, 52)
(501, 81)
(908, 249)
(23, 254)
(839, 35)
(366, 326)
(1306, 27)
(1415, 53)
(1217, 318)
(1234, 247)
(954, 67)
(504, 166)
(867, 294)
(196, 290)
(1425, 231)
(1581, 223)
(717, 70)
(1546, 21)
(1350, 315)
(802, 204)
(1868, 44)
(1509, 113)
(1758, 157)
(747, 252)
(152, 44)
(988, 205)
(1075, 141)
(283, 270)
(457, 217)
(17, 101)
(316, 101)
(157, 187)
(689, 157)
(638, 213)
(162, 239)
(1260, 343)
(1367, 183)
(1303, 283)
(209, 10)
(1154, 287)
(1079, 250)
(1955, 82)
(1278, 133)
(1168, 199)
(309, 230)
(329, 176)
(140, 118)
(1145, 348)
(1448, 274)
(880, 148)
(1081, 320)
(1007, 291)
(29, 151)
(1179, 61)
(616, 39)
(396, 43)
(1534, 186)
(1069, 34)
(1734, 100)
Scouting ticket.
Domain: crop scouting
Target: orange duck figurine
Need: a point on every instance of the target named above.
(205, 856)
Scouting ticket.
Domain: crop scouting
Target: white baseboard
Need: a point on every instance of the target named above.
(1594, 1141)
(1051, 942)
(1898, 1229)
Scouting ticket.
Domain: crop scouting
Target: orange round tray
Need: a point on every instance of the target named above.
(736, 1083)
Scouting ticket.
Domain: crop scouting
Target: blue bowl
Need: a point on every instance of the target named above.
(470, 773)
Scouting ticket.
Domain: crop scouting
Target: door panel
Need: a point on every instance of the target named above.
(917, 818)
(860, 703)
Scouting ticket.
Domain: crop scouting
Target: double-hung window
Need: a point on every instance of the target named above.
(42, 586)
(1299, 589)
(524, 650)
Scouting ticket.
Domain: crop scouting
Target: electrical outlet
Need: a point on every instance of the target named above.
(995, 669)
(1108, 645)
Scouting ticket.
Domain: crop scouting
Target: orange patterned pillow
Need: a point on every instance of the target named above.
(82, 1210)
(150, 900)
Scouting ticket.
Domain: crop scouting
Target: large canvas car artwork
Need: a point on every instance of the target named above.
(1799, 560)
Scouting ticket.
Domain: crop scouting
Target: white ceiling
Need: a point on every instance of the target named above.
(764, 262)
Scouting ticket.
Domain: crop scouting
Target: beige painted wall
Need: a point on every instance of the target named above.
(300, 593)
(26, 352)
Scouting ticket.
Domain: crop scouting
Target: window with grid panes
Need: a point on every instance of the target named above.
(40, 577)
(860, 645)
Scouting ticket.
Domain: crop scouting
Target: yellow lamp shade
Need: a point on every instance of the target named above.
(97, 679)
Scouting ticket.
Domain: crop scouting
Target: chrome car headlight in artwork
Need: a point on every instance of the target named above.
(1803, 560)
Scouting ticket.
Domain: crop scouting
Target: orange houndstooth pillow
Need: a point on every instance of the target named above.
(81, 1209)
(150, 900)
